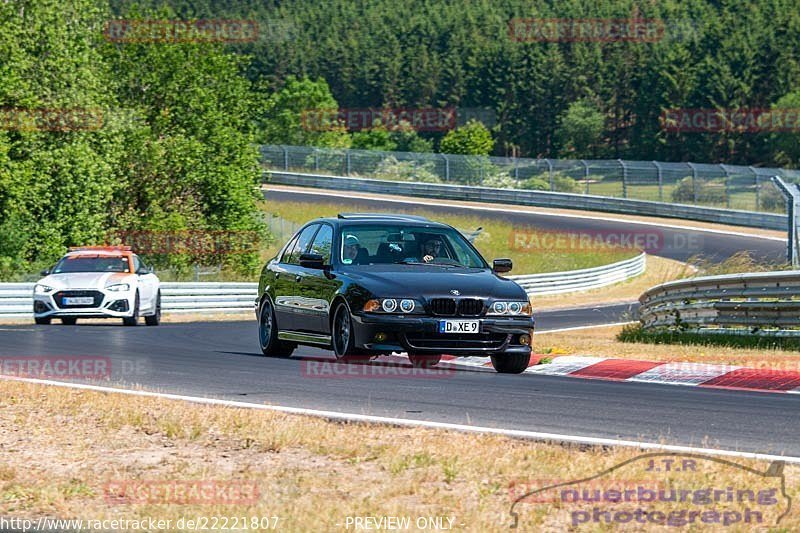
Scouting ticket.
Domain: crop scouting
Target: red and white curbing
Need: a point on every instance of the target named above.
(683, 373)
(675, 373)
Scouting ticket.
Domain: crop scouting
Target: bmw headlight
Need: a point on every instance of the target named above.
(407, 305)
(510, 308)
(393, 305)
(42, 289)
(120, 287)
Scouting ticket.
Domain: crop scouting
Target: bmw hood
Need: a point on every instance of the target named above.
(411, 281)
(85, 280)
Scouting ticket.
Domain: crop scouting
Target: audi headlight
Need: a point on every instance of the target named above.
(120, 287)
(42, 289)
(510, 308)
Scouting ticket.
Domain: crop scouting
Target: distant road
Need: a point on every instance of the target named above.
(679, 244)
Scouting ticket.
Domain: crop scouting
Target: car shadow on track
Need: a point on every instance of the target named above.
(386, 361)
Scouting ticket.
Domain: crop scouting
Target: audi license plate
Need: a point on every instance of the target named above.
(77, 300)
(459, 326)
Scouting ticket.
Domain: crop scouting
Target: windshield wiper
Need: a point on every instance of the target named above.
(427, 264)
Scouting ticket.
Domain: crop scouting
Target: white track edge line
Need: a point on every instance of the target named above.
(542, 332)
(324, 192)
(352, 417)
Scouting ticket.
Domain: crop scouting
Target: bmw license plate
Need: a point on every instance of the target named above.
(459, 326)
(77, 300)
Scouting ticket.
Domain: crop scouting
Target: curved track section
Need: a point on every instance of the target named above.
(221, 359)
(672, 242)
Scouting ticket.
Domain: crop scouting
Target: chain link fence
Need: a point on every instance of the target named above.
(725, 186)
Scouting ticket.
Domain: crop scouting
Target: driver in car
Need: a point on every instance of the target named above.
(430, 249)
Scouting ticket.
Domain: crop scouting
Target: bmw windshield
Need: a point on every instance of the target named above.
(400, 244)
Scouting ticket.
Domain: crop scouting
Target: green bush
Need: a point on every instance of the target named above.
(708, 192)
(561, 183)
(771, 199)
(392, 169)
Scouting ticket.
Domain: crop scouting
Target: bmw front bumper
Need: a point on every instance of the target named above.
(420, 334)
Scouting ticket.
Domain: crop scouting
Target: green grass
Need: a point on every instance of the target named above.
(495, 240)
(635, 333)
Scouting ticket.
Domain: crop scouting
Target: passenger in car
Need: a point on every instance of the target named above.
(353, 252)
(351, 247)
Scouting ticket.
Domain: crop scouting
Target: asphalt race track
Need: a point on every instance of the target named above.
(671, 243)
(221, 359)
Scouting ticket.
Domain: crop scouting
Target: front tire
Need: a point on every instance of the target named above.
(133, 320)
(342, 335)
(512, 363)
(42, 320)
(155, 318)
(268, 333)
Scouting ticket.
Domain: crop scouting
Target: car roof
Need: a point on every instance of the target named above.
(95, 251)
(371, 218)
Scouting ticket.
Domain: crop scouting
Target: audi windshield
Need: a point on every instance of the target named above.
(91, 264)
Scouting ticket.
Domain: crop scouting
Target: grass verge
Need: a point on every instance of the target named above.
(657, 221)
(66, 453)
(637, 334)
(603, 342)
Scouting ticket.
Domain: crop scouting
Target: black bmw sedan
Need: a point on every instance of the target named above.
(369, 284)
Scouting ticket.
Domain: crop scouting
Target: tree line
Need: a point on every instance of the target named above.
(569, 98)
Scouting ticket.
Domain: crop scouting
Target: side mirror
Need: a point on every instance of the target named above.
(45, 272)
(312, 261)
(502, 265)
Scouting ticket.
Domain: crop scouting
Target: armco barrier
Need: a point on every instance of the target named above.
(581, 280)
(533, 198)
(765, 302)
(16, 298)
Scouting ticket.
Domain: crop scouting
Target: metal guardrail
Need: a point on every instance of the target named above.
(16, 300)
(533, 198)
(712, 185)
(584, 279)
(768, 302)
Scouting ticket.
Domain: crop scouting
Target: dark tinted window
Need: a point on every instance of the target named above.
(301, 244)
(288, 251)
(322, 243)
